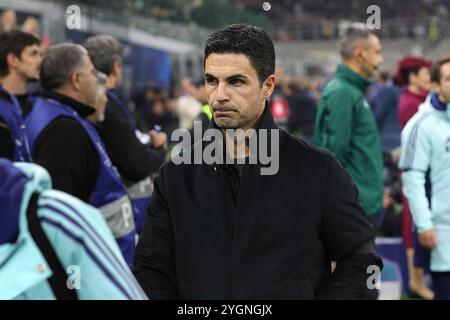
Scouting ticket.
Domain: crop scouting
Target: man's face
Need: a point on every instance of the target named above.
(88, 82)
(100, 104)
(119, 71)
(29, 64)
(443, 87)
(371, 56)
(422, 79)
(234, 93)
(8, 20)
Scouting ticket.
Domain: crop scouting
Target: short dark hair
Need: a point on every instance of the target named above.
(59, 62)
(436, 69)
(406, 72)
(248, 40)
(14, 41)
(104, 50)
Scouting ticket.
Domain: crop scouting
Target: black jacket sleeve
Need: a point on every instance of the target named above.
(66, 151)
(6, 141)
(154, 258)
(348, 238)
(134, 160)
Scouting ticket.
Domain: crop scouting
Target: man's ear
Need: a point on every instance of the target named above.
(436, 87)
(12, 60)
(357, 52)
(74, 80)
(117, 65)
(269, 86)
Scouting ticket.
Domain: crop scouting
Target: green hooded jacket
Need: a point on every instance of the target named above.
(345, 125)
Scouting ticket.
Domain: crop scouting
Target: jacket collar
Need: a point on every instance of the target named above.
(4, 95)
(345, 73)
(436, 103)
(422, 95)
(265, 122)
(82, 109)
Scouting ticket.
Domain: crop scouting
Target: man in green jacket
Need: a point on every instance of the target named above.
(345, 124)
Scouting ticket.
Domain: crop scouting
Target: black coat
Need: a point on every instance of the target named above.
(262, 237)
(134, 161)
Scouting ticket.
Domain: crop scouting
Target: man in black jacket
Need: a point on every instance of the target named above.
(135, 160)
(229, 231)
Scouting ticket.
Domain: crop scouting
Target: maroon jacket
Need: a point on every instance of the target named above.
(408, 105)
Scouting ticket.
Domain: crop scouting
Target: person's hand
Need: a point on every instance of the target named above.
(158, 139)
(428, 239)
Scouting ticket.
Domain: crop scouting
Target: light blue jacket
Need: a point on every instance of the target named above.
(426, 146)
(81, 240)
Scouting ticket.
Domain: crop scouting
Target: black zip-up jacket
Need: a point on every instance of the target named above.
(212, 233)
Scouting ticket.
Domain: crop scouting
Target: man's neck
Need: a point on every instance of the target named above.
(441, 99)
(236, 146)
(111, 83)
(14, 84)
(355, 67)
(68, 93)
(414, 89)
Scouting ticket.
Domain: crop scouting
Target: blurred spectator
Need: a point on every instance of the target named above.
(415, 76)
(58, 122)
(384, 106)
(152, 108)
(345, 124)
(391, 223)
(374, 88)
(20, 61)
(8, 20)
(302, 110)
(201, 95)
(32, 25)
(188, 107)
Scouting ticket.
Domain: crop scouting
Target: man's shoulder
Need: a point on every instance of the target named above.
(301, 150)
(64, 131)
(339, 92)
(114, 107)
(65, 126)
(423, 121)
(339, 86)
